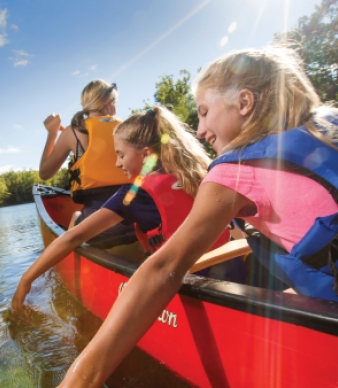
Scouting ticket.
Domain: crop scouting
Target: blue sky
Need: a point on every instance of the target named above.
(49, 50)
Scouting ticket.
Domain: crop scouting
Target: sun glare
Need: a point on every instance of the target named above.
(163, 36)
(232, 27)
(224, 41)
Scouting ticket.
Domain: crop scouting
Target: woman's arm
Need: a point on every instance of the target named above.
(153, 285)
(55, 152)
(61, 247)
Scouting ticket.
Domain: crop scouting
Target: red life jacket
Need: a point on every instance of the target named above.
(173, 204)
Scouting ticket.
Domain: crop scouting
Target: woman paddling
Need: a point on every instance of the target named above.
(93, 175)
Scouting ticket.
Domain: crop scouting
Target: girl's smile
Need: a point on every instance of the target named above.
(219, 123)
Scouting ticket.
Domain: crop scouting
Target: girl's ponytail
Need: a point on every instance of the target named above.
(179, 152)
(78, 122)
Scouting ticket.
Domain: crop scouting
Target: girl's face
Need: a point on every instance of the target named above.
(129, 158)
(218, 123)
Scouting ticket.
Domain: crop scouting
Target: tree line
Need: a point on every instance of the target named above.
(316, 40)
(16, 186)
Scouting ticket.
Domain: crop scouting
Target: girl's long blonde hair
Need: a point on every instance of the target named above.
(284, 95)
(94, 98)
(180, 153)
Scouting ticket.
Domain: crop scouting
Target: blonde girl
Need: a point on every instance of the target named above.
(93, 175)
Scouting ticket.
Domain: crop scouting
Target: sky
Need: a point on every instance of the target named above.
(50, 50)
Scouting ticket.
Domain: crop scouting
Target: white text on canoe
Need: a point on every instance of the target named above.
(167, 317)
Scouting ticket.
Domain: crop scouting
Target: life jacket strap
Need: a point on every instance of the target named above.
(74, 175)
(156, 240)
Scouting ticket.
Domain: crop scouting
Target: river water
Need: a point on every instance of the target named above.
(36, 351)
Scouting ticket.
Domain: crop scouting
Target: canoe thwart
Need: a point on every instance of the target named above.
(228, 251)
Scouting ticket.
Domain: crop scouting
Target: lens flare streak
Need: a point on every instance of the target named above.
(147, 168)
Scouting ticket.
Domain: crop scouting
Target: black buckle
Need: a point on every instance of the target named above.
(156, 240)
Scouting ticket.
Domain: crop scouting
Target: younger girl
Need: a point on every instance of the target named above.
(93, 175)
(261, 104)
(158, 207)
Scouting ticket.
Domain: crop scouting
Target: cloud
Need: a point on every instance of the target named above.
(3, 24)
(22, 53)
(3, 18)
(22, 62)
(17, 126)
(20, 58)
(84, 73)
(3, 39)
(9, 150)
(14, 27)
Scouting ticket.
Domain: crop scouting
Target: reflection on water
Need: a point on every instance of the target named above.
(37, 349)
(50, 337)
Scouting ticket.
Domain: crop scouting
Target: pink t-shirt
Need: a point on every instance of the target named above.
(287, 203)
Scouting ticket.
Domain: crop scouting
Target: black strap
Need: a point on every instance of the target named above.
(153, 242)
(156, 240)
(74, 175)
(79, 150)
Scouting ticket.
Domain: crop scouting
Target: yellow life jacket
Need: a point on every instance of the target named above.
(96, 170)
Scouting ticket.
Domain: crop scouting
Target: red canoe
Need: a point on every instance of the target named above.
(213, 333)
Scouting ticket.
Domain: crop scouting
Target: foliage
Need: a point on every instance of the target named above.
(3, 190)
(316, 39)
(16, 186)
(177, 97)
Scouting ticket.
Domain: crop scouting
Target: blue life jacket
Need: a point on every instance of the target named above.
(311, 267)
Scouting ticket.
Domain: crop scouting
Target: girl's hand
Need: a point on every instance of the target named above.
(20, 295)
(53, 123)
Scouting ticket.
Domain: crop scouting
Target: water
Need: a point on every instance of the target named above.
(36, 351)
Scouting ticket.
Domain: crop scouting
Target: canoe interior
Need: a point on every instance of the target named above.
(213, 333)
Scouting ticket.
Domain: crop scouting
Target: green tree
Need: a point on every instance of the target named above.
(177, 97)
(3, 190)
(60, 179)
(316, 39)
(16, 186)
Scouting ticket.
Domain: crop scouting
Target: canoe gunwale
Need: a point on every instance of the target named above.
(317, 314)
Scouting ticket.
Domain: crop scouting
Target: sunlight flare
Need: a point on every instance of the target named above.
(162, 37)
(232, 27)
(224, 41)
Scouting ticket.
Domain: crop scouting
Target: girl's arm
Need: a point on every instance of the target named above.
(55, 152)
(154, 284)
(61, 247)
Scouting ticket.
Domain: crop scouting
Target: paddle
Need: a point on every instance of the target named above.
(226, 252)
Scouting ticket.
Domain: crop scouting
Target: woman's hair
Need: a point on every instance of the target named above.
(284, 95)
(94, 98)
(179, 152)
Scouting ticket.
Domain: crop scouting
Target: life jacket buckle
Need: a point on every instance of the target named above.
(156, 240)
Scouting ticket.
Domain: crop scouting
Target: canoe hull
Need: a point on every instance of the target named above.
(213, 333)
